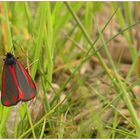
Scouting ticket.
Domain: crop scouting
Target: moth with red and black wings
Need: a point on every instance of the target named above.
(16, 82)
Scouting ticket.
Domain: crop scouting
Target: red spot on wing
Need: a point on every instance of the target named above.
(7, 102)
(15, 98)
(32, 95)
(22, 96)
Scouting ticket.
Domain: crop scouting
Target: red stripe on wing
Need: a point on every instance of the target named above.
(12, 69)
(27, 75)
(7, 98)
(3, 82)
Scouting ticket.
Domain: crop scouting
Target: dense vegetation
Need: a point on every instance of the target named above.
(84, 59)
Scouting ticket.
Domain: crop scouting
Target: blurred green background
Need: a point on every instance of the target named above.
(84, 59)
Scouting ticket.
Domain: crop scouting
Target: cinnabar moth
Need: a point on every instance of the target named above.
(16, 82)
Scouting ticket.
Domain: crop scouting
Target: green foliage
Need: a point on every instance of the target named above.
(56, 40)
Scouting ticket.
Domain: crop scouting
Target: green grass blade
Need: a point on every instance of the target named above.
(39, 39)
